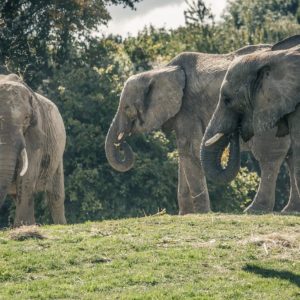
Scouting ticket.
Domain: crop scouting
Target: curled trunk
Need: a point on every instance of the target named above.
(118, 153)
(211, 158)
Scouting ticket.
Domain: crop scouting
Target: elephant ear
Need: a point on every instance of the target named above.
(164, 96)
(287, 43)
(276, 89)
(34, 134)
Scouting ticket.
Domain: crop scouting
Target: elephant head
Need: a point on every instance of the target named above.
(18, 118)
(147, 101)
(258, 90)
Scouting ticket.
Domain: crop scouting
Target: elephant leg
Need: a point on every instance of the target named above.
(264, 199)
(25, 189)
(189, 135)
(55, 196)
(197, 184)
(24, 203)
(270, 153)
(296, 161)
(293, 204)
(294, 127)
(185, 202)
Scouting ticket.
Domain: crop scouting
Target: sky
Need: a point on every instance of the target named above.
(159, 13)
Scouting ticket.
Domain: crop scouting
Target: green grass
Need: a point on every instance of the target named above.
(162, 257)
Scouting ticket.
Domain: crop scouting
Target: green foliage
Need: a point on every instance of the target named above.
(152, 48)
(37, 36)
(257, 21)
(210, 256)
(254, 13)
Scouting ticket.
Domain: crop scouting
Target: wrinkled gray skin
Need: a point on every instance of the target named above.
(32, 122)
(182, 97)
(261, 91)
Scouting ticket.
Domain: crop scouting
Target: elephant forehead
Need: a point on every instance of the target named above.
(13, 97)
(238, 73)
(13, 89)
(135, 84)
(10, 77)
(16, 112)
(10, 108)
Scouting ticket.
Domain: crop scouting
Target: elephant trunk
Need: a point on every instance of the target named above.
(222, 131)
(118, 153)
(211, 157)
(9, 154)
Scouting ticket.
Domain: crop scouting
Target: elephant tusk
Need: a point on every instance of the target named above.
(120, 136)
(24, 162)
(214, 139)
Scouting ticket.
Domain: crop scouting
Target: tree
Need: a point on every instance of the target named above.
(254, 21)
(198, 13)
(36, 36)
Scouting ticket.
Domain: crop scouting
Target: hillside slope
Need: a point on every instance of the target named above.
(161, 257)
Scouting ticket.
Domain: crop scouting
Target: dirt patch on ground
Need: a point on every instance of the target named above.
(287, 240)
(26, 232)
(284, 242)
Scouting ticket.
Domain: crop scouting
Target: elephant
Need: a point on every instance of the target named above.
(32, 142)
(260, 92)
(181, 97)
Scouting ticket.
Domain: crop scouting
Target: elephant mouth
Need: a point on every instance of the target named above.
(136, 124)
(245, 131)
(246, 136)
(131, 128)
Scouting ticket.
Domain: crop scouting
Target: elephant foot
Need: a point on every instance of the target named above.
(59, 219)
(19, 223)
(291, 208)
(258, 208)
(185, 208)
(203, 210)
(184, 212)
(194, 205)
(201, 203)
(24, 214)
(200, 209)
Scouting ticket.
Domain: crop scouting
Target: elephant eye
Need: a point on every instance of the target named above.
(27, 119)
(227, 100)
(130, 112)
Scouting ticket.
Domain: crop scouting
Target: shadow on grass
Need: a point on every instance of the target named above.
(271, 273)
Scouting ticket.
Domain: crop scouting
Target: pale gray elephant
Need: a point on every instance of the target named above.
(260, 91)
(182, 97)
(32, 142)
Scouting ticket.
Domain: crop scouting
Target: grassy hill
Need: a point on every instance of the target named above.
(160, 257)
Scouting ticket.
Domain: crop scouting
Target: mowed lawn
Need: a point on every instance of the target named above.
(211, 256)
